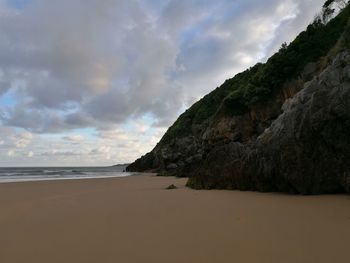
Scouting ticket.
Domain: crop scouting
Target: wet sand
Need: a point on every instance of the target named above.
(134, 219)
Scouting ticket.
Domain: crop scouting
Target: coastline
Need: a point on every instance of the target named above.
(45, 179)
(134, 219)
(31, 174)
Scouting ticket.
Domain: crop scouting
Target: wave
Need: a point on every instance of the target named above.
(56, 173)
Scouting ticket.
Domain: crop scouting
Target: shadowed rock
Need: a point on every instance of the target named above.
(305, 150)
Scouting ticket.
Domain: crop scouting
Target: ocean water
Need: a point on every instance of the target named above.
(24, 174)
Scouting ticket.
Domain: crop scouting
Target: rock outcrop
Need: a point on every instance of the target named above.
(279, 126)
(305, 150)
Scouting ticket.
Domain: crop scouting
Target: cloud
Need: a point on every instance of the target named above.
(11, 153)
(74, 138)
(107, 65)
(23, 139)
(14, 139)
(101, 150)
(115, 135)
(59, 153)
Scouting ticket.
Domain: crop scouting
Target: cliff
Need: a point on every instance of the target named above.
(279, 126)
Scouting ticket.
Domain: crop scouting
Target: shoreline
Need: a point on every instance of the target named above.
(65, 178)
(134, 219)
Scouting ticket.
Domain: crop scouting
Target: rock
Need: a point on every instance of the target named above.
(171, 187)
(172, 166)
(145, 163)
(189, 160)
(306, 150)
(180, 164)
(309, 71)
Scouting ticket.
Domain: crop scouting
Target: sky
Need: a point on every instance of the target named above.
(93, 83)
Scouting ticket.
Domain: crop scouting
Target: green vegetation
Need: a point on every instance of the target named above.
(289, 61)
(237, 95)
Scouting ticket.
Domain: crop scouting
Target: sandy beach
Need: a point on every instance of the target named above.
(134, 219)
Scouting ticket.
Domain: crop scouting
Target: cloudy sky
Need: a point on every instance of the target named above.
(97, 82)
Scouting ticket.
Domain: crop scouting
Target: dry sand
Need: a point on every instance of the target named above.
(134, 219)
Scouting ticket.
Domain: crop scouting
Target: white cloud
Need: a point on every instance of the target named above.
(108, 64)
(102, 149)
(60, 153)
(23, 139)
(115, 134)
(74, 138)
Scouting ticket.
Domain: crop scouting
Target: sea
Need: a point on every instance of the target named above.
(24, 174)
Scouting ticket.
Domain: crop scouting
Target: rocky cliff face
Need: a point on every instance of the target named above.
(182, 154)
(305, 150)
(296, 139)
